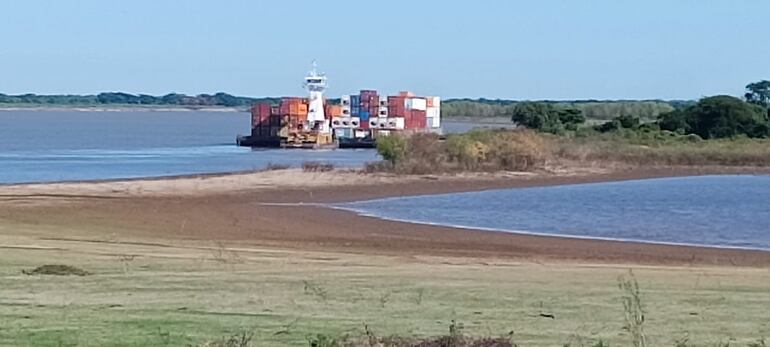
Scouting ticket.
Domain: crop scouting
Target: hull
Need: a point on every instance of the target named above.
(347, 142)
(263, 142)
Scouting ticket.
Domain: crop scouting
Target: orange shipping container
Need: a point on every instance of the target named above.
(335, 111)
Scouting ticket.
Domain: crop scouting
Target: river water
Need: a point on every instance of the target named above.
(40, 146)
(722, 211)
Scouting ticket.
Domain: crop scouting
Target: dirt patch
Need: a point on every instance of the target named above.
(56, 270)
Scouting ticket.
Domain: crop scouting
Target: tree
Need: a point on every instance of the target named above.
(546, 117)
(758, 93)
(718, 117)
(392, 148)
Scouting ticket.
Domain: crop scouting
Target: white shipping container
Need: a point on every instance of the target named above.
(336, 122)
(382, 112)
(433, 112)
(345, 100)
(384, 100)
(360, 133)
(345, 122)
(419, 104)
(374, 122)
(346, 110)
(396, 123)
(355, 122)
(434, 122)
(382, 122)
(435, 101)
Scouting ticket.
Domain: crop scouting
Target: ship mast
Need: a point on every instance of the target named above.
(315, 83)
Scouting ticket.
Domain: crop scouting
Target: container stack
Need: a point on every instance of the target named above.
(433, 112)
(260, 119)
(370, 104)
(293, 111)
(359, 116)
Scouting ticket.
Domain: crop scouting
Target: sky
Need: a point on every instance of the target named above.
(536, 49)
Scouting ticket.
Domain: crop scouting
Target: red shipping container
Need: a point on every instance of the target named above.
(260, 114)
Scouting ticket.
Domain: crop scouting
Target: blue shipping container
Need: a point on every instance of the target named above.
(364, 115)
(355, 100)
(355, 111)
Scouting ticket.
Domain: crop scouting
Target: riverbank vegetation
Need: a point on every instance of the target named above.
(126, 99)
(719, 130)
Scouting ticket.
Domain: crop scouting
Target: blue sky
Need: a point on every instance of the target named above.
(676, 49)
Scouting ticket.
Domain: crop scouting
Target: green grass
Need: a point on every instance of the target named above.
(186, 295)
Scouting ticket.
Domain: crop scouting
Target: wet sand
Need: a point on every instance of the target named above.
(237, 210)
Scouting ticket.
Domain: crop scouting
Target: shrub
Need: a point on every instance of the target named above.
(521, 150)
(392, 148)
(274, 167)
(57, 270)
(315, 166)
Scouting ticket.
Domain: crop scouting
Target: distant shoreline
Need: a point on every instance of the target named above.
(118, 108)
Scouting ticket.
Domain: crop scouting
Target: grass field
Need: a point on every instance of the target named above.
(154, 293)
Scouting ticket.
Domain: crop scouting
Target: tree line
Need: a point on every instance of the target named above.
(118, 98)
(714, 117)
(591, 109)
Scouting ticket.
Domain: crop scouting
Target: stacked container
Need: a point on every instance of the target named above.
(433, 112)
(295, 109)
(369, 106)
(260, 120)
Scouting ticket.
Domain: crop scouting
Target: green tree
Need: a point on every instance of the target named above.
(758, 93)
(719, 117)
(546, 117)
(392, 148)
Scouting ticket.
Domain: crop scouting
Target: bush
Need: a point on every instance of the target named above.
(392, 148)
(475, 151)
(518, 151)
(57, 270)
(315, 166)
(274, 167)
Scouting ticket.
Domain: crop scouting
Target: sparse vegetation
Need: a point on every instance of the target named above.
(276, 167)
(237, 340)
(518, 150)
(56, 270)
(316, 166)
(526, 150)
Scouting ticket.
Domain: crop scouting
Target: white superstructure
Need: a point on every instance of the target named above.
(315, 83)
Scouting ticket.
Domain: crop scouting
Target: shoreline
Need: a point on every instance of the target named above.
(542, 234)
(261, 209)
(108, 108)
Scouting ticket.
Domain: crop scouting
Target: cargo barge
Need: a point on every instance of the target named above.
(355, 122)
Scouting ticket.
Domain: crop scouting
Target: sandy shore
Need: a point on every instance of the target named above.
(232, 209)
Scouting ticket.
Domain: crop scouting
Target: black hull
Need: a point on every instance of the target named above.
(357, 143)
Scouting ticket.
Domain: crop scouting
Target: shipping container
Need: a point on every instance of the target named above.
(334, 111)
(345, 100)
(397, 123)
(433, 122)
(260, 114)
(405, 94)
(383, 101)
(364, 115)
(433, 112)
(343, 133)
(336, 122)
(433, 101)
(416, 104)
